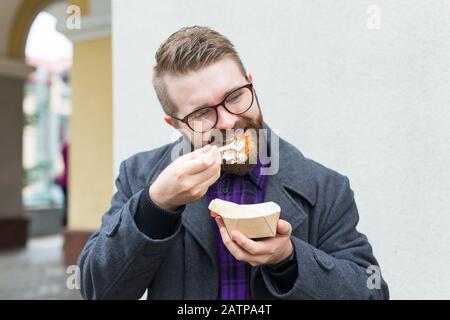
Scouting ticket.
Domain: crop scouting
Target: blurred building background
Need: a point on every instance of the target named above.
(359, 86)
(55, 94)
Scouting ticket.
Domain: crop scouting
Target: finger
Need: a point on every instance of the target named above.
(211, 157)
(201, 151)
(201, 187)
(194, 154)
(202, 176)
(252, 247)
(234, 249)
(222, 228)
(202, 162)
(211, 178)
(284, 227)
(215, 154)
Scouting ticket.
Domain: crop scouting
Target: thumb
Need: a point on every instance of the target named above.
(200, 151)
(196, 153)
(284, 227)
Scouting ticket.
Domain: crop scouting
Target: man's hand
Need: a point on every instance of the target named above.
(186, 179)
(269, 251)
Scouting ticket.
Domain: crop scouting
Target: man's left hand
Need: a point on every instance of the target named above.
(269, 251)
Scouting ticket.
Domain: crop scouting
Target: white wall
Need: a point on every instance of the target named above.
(372, 104)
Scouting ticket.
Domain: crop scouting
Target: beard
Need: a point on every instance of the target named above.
(253, 125)
(244, 124)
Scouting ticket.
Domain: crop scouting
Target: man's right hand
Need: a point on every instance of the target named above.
(187, 179)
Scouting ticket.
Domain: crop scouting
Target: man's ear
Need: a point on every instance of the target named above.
(250, 77)
(170, 121)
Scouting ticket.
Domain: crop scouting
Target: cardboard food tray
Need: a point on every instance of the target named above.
(253, 220)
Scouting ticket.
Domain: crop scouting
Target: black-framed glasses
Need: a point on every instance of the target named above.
(236, 102)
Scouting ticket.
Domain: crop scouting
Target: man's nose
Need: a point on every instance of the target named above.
(226, 119)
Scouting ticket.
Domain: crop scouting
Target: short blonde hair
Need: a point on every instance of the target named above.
(189, 49)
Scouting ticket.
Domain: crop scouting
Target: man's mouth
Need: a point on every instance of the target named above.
(237, 151)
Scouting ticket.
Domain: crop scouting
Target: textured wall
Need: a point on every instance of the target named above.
(373, 104)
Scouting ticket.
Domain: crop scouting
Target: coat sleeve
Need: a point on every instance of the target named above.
(119, 261)
(342, 266)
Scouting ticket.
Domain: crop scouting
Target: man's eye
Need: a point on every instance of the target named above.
(234, 97)
(199, 114)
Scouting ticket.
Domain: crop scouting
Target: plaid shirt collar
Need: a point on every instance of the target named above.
(254, 175)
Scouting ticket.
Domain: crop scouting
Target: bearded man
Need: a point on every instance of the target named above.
(158, 236)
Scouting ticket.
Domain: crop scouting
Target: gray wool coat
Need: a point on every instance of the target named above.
(120, 262)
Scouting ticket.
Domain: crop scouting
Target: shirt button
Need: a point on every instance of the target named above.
(225, 189)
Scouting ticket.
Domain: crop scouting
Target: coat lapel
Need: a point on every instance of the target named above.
(290, 210)
(201, 270)
(200, 232)
(197, 220)
(292, 178)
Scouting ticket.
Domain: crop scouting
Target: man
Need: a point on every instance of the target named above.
(158, 234)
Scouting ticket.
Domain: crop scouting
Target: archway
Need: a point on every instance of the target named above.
(24, 17)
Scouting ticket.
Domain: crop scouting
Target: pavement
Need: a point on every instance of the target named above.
(36, 272)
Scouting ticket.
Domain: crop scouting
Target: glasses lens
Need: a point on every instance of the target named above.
(203, 120)
(239, 101)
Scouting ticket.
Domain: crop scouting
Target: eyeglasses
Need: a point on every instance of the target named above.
(236, 102)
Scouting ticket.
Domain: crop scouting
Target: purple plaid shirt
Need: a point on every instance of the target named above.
(234, 276)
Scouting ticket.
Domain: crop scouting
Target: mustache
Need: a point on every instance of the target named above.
(238, 129)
